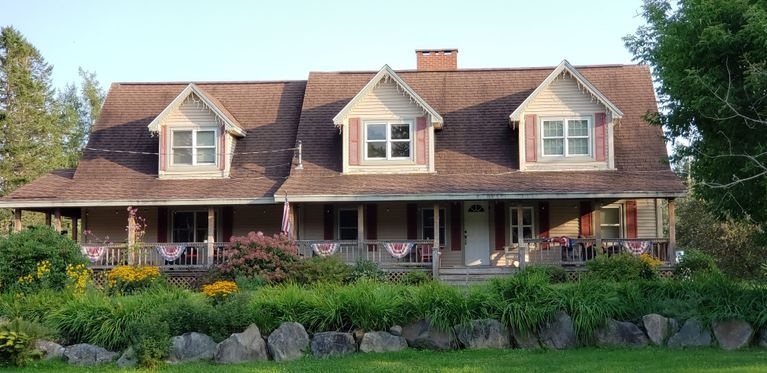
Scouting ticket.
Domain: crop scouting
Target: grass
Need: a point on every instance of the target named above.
(581, 360)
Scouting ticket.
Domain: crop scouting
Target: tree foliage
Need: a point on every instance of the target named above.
(709, 58)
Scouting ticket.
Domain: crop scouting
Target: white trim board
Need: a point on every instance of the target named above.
(229, 126)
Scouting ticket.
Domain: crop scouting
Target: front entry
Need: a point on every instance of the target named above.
(476, 233)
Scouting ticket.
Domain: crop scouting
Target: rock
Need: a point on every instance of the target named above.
(191, 347)
(691, 334)
(333, 344)
(50, 350)
(673, 326)
(242, 347)
(128, 359)
(526, 340)
(481, 334)
(761, 340)
(559, 333)
(658, 328)
(424, 336)
(382, 342)
(620, 334)
(396, 330)
(288, 342)
(85, 355)
(733, 334)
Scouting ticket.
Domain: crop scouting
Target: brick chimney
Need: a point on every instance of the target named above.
(437, 59)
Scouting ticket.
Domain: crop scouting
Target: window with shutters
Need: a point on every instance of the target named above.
(526, 223)
(427, 225)
(566, 137)
(193, 147)
(347, 224)
(611, 222)
(388, 140)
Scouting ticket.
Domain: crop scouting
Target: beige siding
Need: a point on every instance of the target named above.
(191, 114)
(646, 223)
(265, 218)
(452, 258)
(386, 101)
(563, 218)
(313, 227)
(563, 96)
(109, 224)
(392, 221)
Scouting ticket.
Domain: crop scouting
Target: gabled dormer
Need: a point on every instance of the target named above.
(566, 124)
(388, 128)
(197, 136)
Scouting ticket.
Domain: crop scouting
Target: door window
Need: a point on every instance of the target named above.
(526, 223)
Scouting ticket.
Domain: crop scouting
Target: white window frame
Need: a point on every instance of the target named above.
(513, 227)
(338, 222)
(442, 223)
(565, 137)
(194, 146)
(172, 217)
(388, 139)
(620, 223)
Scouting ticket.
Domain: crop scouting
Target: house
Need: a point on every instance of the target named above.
(436, 168)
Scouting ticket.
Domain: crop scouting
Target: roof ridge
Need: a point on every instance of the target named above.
(222, 82)
(479, 69)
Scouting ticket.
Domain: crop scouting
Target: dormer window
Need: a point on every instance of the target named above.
(194, 147)
(388, 140)
(566, 137)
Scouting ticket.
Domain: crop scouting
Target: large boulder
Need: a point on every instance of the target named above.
(396, 330)
(658, 328)
(761, 339)
(424, 336)
(86, 355)
(691, 334)
(288, 342)
(620, 334)
(382, 342)
(50, 349)
(733, 334)
(480, 334)
(242, 347)
(559, 333)
(527, 340)
(191, 347)
(128, 359)
(333, 344)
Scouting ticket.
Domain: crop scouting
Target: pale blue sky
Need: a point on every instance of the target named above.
(274, 40)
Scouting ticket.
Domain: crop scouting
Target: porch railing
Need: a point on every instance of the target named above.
(194, 255)
(547, 251)
(420, 253)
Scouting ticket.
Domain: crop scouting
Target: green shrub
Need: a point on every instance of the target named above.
(620, 267)
(415, 278)
(367, 270)
(150, 339)
(694, 263)
(590, 303)
(442, 305)
(257, 255)
(33, 329)
(32, 306)
(16, 348)
(36, 258)
(319, 269)
(526, 299)
(249, 284)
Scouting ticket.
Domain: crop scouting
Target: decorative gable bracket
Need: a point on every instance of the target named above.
(222, 115)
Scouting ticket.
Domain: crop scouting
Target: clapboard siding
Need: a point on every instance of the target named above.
(312, 222)
(646, 220)
(392, 221)
(263, 218)
(108, 224)
(191, 113)
(386, 101)
(563, 96)
(563, 218)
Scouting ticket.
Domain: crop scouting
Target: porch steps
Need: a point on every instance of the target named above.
(465, 276)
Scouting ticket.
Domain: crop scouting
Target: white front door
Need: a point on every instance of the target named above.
(477, 233)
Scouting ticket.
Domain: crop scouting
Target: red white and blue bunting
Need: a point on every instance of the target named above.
(398, 250)
(93, 253)
(170, 252)
(325, 249)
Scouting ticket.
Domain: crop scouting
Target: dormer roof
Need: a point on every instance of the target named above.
(211, 103)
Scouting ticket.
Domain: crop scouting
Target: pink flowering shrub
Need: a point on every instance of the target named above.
(259, 256)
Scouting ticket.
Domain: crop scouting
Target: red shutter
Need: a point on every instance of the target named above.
(455, 226)
(162, 224)
(354, 141)
(327, 217)
(412, 221)
(601, 136)
(371, 222)
(421, 146)
(222, 150)
(530, 142)
(500, 225)
(543, 219)
(586, 225)
(227, 223)
(163, 148)
(631, 219)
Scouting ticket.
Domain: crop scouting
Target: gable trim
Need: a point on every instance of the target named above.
(230, 125)
(563, 67)
(387, 72)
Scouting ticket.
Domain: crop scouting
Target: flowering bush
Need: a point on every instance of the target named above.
(220, 290)
(127, 279)
(257, 255)
(78, 277)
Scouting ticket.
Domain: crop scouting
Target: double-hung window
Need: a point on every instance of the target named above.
(193, 147)
(610, 221)
(427, 225)
(388, 140)
(566, 137)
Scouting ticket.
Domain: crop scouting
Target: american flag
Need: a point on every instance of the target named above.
(286, 217)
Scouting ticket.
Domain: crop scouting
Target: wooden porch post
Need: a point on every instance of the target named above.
(57, 220)
(522, 246)
(74, 228)
(671, 229)
(597, 218)
(17, 220)
(131, 237)
(435, 251)
(47, 218)
(361, 249)
(211, 234)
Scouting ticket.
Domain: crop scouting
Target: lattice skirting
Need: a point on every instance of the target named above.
(184, 279)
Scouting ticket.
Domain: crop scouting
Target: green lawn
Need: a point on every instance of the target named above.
(581, 360)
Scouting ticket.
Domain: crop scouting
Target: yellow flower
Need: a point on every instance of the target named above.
(79, 276)
(132, 274)
(43, 268)
(650, 260)
(220, 289)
